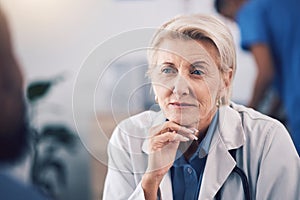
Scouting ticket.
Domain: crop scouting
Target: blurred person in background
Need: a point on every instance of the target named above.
(200, 145)
(13, 124)
(270, 30)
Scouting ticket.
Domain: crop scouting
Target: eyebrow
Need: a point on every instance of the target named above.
(167, 63)
(196, 64)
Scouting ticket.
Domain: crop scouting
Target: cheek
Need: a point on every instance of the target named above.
(206, 92)
(161, 86)
(213, 86)
(160, 90)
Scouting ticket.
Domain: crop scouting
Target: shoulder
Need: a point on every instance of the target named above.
(237, 122)
(265, 137)
(251, 113)
(252, 119)
(263, 132)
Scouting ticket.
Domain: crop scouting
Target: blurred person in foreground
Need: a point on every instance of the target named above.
(13, 124)
(270, 30)
(200, 145)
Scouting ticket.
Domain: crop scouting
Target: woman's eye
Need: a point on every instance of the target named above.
(197, 72)
(168, 70)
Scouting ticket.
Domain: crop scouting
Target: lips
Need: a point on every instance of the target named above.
(181, 104)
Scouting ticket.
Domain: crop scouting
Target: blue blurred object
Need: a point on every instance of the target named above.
(12, 189)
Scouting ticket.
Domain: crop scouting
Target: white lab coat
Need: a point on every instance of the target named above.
(268, 158)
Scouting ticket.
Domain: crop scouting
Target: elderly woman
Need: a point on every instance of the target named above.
(200, 145)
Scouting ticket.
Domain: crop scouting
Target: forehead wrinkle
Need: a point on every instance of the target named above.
(202, 58)
(202, 49)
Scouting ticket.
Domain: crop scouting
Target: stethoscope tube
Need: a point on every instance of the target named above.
(243, 176)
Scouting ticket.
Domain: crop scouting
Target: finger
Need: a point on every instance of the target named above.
(159, 141)
(170, 126)
(170, 137)
(187, 132)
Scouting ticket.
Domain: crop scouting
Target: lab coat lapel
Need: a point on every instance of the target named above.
(219, 162)
(218, 167)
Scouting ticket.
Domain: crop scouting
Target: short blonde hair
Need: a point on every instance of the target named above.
(198, 27)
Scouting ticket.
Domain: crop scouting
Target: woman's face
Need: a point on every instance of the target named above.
(187, 81)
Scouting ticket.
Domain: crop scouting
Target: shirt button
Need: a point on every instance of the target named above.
(189, 170)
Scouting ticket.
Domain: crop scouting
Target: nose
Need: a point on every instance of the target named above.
(181, 87)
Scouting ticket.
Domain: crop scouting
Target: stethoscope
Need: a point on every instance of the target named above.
(243, 177)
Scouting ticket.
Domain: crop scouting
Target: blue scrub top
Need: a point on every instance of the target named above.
(277, 23)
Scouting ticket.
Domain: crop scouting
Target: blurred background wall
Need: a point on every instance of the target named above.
(54, 38)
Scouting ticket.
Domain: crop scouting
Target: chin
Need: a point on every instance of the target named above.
(184, 120)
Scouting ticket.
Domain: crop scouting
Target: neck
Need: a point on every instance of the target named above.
(203, 125)
(189, 148)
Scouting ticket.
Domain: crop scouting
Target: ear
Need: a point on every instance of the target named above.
(227, 77)
(226, 84)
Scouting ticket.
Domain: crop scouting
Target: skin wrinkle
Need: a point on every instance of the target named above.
(202, 91)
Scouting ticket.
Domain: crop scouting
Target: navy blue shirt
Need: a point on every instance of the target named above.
(187, 175)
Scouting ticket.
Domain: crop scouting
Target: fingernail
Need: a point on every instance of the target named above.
(185, 139)
(195, 137)
(190, 130)
(195, 130)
